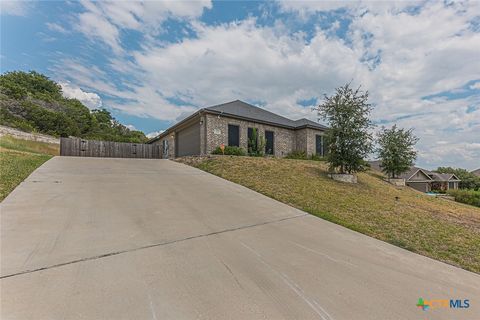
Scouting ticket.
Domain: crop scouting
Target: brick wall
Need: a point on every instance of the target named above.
(171, 145)
(217, 133)
(311, 140)
(214, 132)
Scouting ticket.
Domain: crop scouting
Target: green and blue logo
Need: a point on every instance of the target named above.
(443, 303)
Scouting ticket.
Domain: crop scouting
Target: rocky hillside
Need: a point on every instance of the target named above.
(32, 102)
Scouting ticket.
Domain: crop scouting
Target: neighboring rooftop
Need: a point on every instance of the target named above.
(439, 177)
(412, 171)
(476, 172)
(444, 176)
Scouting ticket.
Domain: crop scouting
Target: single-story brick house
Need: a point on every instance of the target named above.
(232, 124)
(424, 180)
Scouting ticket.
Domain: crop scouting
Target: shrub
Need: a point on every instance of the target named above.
(230, 151)
(316, 157)
(301, 155)
(470, 197)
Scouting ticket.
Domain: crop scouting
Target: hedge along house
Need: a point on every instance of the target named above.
(232, 124)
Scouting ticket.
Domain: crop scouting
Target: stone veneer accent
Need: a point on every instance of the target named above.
(171, 145)
(342, 177)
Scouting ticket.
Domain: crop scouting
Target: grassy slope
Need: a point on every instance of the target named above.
(19, 158)
(437, 228)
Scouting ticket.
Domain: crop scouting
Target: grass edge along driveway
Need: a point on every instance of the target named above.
(19, 158)
(437, 228)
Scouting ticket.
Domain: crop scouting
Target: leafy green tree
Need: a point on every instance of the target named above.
(396, 150)
(468, 179)
(31, 101)
(349, 137)
(19, 84)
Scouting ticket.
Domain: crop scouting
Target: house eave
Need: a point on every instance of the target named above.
(408, 179)
(233, 116)
(172, 128)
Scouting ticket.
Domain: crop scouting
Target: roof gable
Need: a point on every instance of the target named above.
(443, 177)
(416, 174)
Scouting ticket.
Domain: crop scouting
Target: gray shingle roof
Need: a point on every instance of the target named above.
(434, 176)
(443, 177)
(411, 172)
(244, 110)
(375, 165)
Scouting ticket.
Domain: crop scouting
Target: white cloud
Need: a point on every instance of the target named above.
(306, 8)
(476, 85)
(131, 127)
(388, 51)
(15, 8)
(56, 27)
(89, 99)
(103, 20)
(153, 134)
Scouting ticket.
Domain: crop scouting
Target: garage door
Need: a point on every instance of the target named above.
(188, 141)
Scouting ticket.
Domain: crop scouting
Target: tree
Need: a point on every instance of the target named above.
(468, 179)
(396, 150)
(256, 144)
(31, 101)
(349, 139)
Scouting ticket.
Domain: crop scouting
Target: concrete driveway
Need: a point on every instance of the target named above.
(90, 238)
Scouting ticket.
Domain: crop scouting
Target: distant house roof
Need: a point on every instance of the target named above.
(412, 171)
(433, 176)
(476, 172)
(443, 177)
(375, 165)
(242, 110)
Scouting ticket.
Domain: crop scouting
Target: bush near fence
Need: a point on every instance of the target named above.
(470, 197)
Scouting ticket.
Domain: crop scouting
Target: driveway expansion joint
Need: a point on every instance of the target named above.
(105, 255)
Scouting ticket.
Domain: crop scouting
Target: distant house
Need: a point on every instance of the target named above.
(232, 124)
(476, 172)
(418, 179)
(444, 181)
(424, 180)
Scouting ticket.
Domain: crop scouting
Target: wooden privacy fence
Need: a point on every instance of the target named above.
(108, 149)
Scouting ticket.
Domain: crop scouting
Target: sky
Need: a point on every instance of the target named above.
(153, 63)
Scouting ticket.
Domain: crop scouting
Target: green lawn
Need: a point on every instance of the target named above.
(19, 158)
(438, 228)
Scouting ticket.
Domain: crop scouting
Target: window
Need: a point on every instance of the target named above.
(233, 135)
(319, 145)
(451, 185)
(252, 143)
(269, 142)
